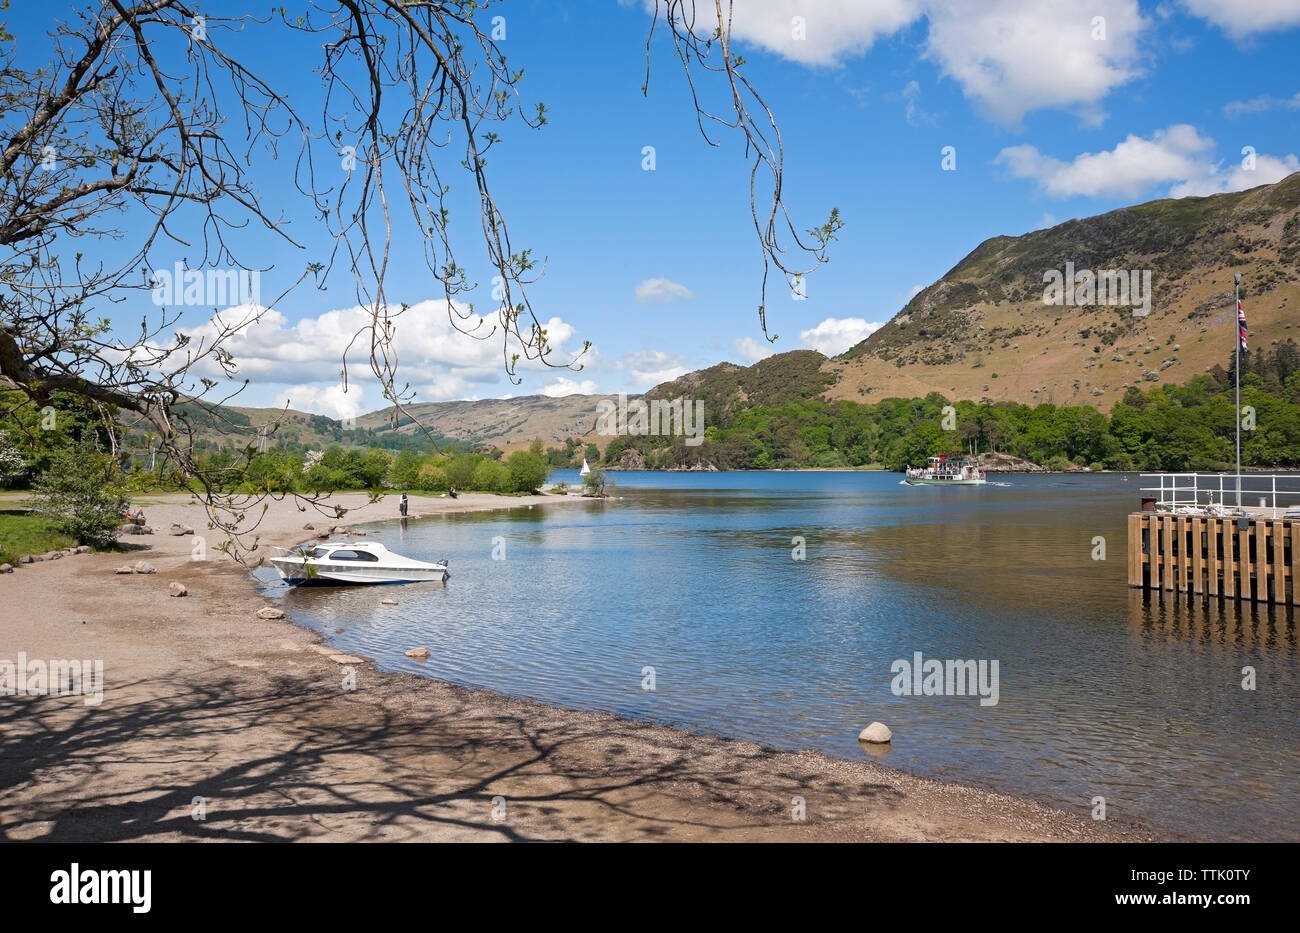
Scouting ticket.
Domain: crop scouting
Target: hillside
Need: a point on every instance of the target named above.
(725, 388)
(983, 330)
(500, 422)
(497, 422)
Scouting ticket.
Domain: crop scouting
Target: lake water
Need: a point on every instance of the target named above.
(1103, 690)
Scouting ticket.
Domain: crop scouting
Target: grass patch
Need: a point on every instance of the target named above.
(23, 533)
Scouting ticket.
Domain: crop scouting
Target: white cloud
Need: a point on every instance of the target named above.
(563, 386)
(1268, 170)
(433, 356)
(1178, 156)
(1261, 104)
(835, 335)
(832, 30)
(751, 350)
(648, 368)
(1240, 19)
(1014, 56)
(656, 290)
(913, 113)
(324, 400)
(1009, 56)
(1174, 154)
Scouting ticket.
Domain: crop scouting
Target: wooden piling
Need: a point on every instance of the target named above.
(1212, 555)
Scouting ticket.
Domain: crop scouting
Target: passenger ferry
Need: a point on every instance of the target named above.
(940, 471)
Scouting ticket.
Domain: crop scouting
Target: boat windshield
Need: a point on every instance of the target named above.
(354, 555)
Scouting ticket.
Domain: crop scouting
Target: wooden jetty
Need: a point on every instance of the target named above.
(1179, 544)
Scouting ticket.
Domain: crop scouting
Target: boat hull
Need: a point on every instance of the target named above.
(914, 481)
(296, 573)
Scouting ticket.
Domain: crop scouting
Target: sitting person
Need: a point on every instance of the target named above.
(451, 491)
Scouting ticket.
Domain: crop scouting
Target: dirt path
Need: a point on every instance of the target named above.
(206, 704)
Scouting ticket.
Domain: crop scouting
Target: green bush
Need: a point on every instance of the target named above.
(490, 476)
(527, 470)
(80, 493)
(430, 479)
(405, 471)
(460, 469)
(595, 483)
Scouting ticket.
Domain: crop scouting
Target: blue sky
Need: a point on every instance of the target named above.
(1048, 119)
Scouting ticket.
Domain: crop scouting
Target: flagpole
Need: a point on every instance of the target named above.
(1236, 305)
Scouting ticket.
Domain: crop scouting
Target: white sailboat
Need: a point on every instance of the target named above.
(585, 469)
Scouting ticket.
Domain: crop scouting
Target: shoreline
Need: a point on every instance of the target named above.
(205, 700)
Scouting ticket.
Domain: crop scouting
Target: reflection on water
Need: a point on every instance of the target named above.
(1104, 690)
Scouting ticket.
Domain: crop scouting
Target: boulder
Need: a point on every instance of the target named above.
(346, 659)
(270, 612)
(69, 551)
(339, 530)
(144, 567)
(26, 559)
(52, 555)
(6, 568)
(388, 602)
(36, 558)
(877, 732)
(177, 589)
(179, 530)
(126, 569)
(418, 653)
(82, 549)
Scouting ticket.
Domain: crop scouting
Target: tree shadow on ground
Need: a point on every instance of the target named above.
(352, 765)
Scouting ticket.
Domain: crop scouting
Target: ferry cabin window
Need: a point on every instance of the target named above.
(354, 555)
(318, 552)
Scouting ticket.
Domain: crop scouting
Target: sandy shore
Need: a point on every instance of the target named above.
(208, 707)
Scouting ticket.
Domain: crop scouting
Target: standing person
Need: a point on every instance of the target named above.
(401, 506)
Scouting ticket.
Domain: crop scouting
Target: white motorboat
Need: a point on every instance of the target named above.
(354, 562)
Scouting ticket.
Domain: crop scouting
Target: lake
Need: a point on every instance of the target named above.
(1103, 691)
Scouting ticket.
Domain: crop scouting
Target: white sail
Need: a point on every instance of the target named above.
(585, 469)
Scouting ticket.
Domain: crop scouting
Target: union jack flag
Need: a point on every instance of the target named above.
(1241, 324)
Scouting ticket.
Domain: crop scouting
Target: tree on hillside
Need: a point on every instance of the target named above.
(142, 125)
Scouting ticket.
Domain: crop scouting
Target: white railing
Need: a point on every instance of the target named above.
(1273, 491)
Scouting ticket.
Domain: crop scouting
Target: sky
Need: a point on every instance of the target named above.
(1053, 109)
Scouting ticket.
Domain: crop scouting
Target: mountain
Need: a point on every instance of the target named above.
(497, 422)
(500, 422)
(983, 330)
(797, 375)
